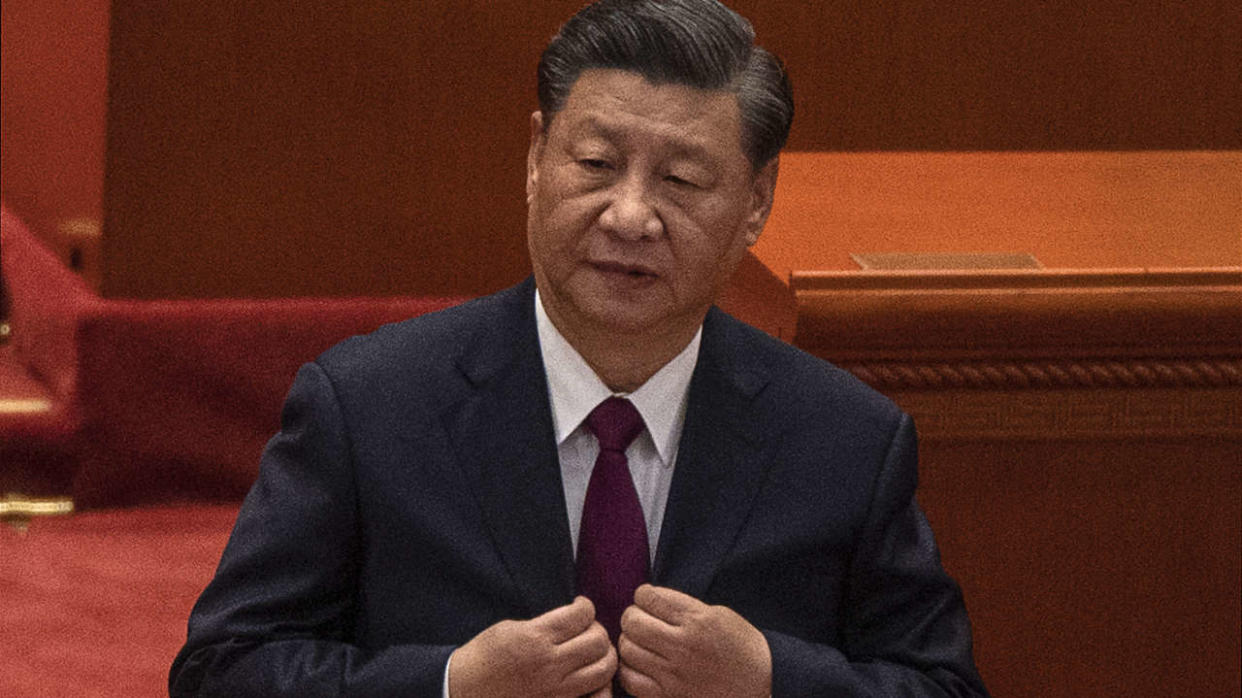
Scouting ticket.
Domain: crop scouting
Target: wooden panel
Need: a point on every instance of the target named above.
(1080, 432)
(1098, 567)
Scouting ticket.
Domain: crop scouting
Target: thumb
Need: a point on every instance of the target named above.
(565, 622)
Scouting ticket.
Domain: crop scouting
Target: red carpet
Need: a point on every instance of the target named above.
(95, 604)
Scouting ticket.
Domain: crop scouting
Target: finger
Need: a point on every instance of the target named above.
(583, 649)
(605, 692)
(669, 605)
(566, 622)
(593, 677)
(649, 632)
(640, 658)
(637, 683)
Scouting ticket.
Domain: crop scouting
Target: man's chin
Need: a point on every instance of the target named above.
(627, 320)
(640, 321)
(636, 313)
(629, 316)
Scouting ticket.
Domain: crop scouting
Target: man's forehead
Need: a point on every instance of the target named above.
(609, 103)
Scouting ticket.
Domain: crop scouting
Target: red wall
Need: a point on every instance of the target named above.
(263, 149)
(1010, 74)
(53, 74)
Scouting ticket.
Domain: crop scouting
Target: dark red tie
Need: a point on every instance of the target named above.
(613, 557)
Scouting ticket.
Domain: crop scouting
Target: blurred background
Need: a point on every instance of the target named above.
(197, 197)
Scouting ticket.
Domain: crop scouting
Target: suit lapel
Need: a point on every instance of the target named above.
(505, 444)
(719, 465)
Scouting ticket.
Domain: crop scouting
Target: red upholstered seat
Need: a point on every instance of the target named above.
(154, 400)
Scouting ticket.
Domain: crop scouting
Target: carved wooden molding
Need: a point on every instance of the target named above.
(1015, 375)
(1039, 354)
(1072, 414)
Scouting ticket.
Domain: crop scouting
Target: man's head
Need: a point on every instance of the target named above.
(644, 188)
(697, 43)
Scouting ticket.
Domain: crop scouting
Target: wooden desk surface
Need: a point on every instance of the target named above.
(1154, 209)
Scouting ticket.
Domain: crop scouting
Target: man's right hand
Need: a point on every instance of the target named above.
(563, 652)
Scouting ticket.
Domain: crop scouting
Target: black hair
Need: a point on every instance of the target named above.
(698, 43)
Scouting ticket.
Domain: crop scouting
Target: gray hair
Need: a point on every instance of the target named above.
(698, 43)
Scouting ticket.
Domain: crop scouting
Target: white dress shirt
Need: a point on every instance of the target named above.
(574, 390)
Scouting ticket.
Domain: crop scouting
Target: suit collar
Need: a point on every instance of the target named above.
(503, 335)
(503, 437)
(720, 466)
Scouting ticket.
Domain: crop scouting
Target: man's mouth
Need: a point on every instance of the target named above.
(633, 271)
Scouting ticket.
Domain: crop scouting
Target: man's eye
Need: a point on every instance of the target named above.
(595, 164)
(680, 181)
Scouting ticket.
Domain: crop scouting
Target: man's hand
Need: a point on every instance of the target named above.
(563, 652)
(673, 644)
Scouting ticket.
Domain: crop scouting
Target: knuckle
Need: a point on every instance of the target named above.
(600, 644)
(611, 663)
(588, 607)
(507, 629)
(625, 648)
(626, 676)
(700, 624)
(683, 647)
(598, 630)
(602, 672)
(721, 614)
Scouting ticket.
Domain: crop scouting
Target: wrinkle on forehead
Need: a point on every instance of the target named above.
(619, 104)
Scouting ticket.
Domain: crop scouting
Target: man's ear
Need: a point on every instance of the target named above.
(537, 138)
(763, 189)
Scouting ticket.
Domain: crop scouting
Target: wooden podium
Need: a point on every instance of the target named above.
(1081, 428)
(1039, 353)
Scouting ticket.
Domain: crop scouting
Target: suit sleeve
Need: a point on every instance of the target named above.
(277, 619)
(905, 628)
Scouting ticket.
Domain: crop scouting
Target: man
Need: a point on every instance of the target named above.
(595, 480)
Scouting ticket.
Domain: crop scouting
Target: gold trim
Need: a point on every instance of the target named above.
(922, 261)
(35, 507)
(1226, 279)
(16, 510)
(32, 405)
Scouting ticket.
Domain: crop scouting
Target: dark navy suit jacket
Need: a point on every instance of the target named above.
(413, 498)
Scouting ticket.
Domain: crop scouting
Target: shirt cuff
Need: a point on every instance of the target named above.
(447, 664)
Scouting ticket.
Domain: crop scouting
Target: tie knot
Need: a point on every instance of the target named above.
(615, 422)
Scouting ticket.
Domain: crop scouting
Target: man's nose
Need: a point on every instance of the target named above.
(630, 213)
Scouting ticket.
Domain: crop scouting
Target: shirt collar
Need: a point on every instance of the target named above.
(575, 389)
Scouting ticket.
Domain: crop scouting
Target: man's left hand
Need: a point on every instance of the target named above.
(672, 644)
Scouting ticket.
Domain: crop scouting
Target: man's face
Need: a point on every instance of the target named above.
(641, 204)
